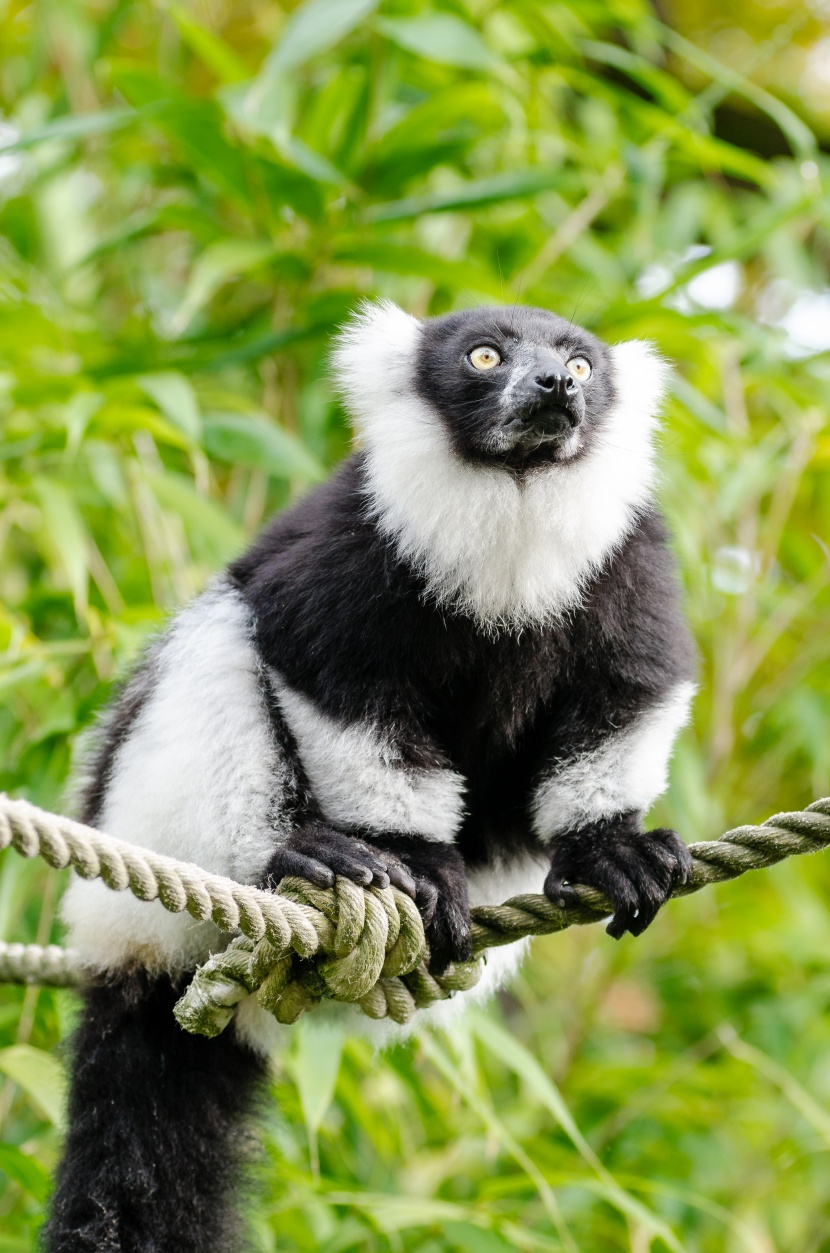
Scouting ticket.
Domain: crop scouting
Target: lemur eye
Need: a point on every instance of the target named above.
(580, 368)
(484, 358)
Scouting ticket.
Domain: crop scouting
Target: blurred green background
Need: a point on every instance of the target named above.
(192, 196)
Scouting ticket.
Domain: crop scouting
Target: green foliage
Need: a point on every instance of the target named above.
(191, 198)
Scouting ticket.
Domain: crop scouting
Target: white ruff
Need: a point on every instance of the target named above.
(629, 770)
(508, 552)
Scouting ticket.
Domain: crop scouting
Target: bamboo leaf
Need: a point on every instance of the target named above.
(174, 395)
(520, 1060)
(256, 441)
(209, 527)
(73, 127)
(219, 262)
(64, 533)
(816, 1115)
(404, 259)
(314, 27)
(24, 1171)
(470, 105)
(214, 52)
(475, 194)
(472, 1239)
(799, 135)
(441, 37)
(40, 1076)
(315, 1066)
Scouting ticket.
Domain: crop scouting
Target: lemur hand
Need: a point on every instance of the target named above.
(636, 870)
(432, 874)
(318, 852)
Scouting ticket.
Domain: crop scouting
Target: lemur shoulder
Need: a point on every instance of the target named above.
(459, 665)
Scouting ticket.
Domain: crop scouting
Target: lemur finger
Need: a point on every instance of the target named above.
(400, 877)
(633, 916)
(630, 920)
(679, 853)
(395, 867)
(286, 861)
(389, 864)
(557, 890)
(449, 936)
(623, 888)
(343, 854)
(356, 861)
(635, 920)
(357, 869)
(640, 892)
(426, 898)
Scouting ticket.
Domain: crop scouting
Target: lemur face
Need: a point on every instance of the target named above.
(518, 387)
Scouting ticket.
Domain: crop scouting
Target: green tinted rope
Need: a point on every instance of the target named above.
(302, 944)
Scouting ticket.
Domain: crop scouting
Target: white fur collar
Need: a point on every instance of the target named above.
(508, 553)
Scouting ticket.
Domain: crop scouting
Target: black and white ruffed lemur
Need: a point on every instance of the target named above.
(459, 665)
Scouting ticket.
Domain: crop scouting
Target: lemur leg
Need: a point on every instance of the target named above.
(637, 870)
(157, 1135)
(431, 873)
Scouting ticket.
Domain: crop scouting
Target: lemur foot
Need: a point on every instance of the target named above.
(319, 853)
(636, 870)
(440, 894)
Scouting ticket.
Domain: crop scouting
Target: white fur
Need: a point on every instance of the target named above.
(195, 779)
(629, 770)
(508, 552)
(358, 776)
(491, 885)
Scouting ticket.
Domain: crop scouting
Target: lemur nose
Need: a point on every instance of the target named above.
(554, 382)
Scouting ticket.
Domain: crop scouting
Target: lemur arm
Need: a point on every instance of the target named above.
(380, 804)
(588, 806)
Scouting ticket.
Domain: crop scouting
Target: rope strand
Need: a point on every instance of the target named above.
(300, 944)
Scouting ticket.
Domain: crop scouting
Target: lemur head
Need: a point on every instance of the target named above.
(516, 386)
(512, 387)
(506, 451)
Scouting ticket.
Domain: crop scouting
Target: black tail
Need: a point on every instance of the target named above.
(158, 1130)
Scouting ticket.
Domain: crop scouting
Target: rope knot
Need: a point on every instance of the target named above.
(372, 952)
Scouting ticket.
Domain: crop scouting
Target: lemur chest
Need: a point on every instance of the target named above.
(489, 710)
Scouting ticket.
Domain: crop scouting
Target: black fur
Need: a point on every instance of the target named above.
(295, 799)
(156, 1144)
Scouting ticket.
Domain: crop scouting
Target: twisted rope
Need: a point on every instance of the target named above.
(301, 943)
(31, 963)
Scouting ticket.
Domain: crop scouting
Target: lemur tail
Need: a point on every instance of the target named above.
(158, 1130)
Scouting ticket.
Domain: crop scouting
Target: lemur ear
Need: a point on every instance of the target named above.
(373, 362)
(641, 377)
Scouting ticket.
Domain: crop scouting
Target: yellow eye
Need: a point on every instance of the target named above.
(484, 358)
(580, 368)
